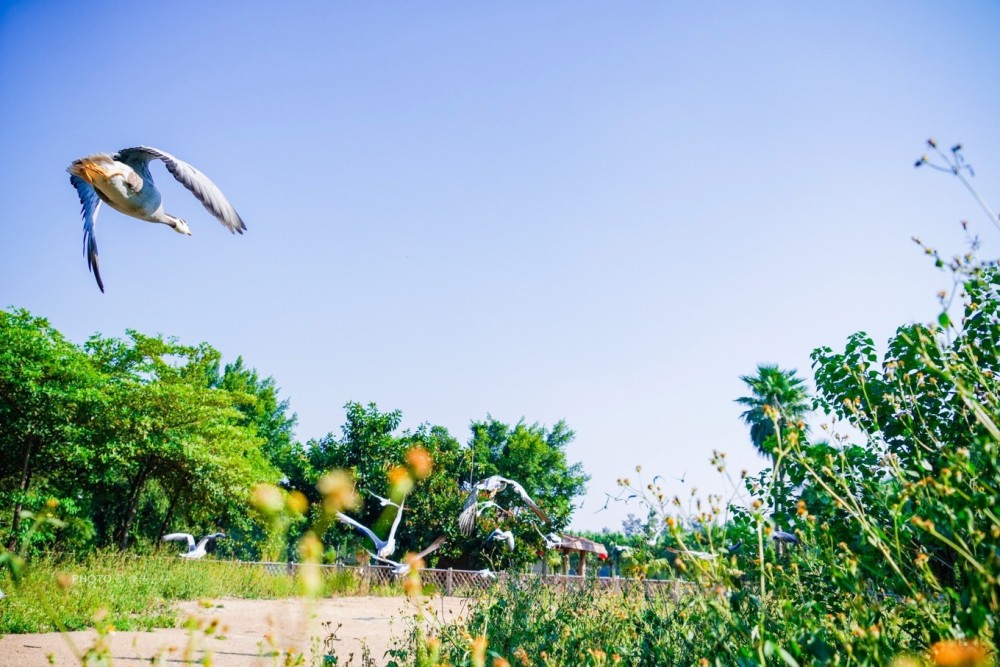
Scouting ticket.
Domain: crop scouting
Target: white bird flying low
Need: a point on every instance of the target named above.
(505, 535)
(491, 486)
(552, 540)
(123, 182)
(384, 502)
(383, 548)
(194, 550)
(403, 569)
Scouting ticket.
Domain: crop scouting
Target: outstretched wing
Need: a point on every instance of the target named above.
(528, 501)
(467, 519)
(208, 538)
(207, 192)
(395, 521)
(181, 536)
(382, 501)
(90, 204)
(435, 545)
(348, 520)
(387, 561)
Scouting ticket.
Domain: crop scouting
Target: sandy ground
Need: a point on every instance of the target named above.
(245, 628)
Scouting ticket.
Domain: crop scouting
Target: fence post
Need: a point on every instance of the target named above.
(448, 582)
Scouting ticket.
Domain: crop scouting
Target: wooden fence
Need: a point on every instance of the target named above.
(468, 583)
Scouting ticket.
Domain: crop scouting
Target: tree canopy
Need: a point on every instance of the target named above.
(142, 435)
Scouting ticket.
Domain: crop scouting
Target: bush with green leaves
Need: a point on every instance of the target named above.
(897, 531)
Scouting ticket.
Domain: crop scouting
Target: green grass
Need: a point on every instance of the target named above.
(138, 593)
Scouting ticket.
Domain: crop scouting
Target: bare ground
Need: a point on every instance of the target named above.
(246, 633)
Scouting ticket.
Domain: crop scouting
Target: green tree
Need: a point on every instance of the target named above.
(170, 431)
(270, 418)
(778, 390)
(777, 398)
(535, 457)
(49, 400)
(928, 485)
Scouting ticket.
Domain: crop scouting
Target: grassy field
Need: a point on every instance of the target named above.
(136, 593)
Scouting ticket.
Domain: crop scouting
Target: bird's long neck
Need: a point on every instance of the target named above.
(395, 522)
(172, 221)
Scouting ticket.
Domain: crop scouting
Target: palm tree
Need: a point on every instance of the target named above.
(779, 393)
(783, 392)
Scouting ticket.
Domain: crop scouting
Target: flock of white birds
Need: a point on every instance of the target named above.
(481, 497)
(123, 182)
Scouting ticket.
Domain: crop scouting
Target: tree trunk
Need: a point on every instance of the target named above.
(26, 471)
(170, 509)
(133, 506)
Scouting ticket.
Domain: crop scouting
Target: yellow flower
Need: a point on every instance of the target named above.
(297, 502)
(400, 481)
(479, 651)
(956, 653)
(419, 460)
(338, 491)
(412, 586)
(310, 547)
(267, 498)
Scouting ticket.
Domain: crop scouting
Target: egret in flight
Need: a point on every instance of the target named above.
(403, 569)
(123, 182)
(194, 550)
(383, 548)
(384, 502)
(504, 535)
(552, 540)
(491, 486)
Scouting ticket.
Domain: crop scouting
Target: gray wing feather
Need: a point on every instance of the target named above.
(181, 536)
(527, 499)
(207, 192)
(467, 519)
(384, 560)
(348, 520)
(395, 520)
(435, 545)
(90, 204)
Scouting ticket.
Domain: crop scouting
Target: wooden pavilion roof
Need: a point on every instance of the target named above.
(571, 543)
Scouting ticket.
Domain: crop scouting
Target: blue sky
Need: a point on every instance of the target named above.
(603, 213)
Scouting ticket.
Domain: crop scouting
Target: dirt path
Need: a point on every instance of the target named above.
(249, 633)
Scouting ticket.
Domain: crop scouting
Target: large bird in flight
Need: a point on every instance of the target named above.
(383, 548)
(491, 486)
(123, 182)
(194, 550)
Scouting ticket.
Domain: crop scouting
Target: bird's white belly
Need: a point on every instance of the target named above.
(118, 193)
(120, 187)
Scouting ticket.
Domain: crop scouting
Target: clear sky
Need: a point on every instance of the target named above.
(590, 211)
